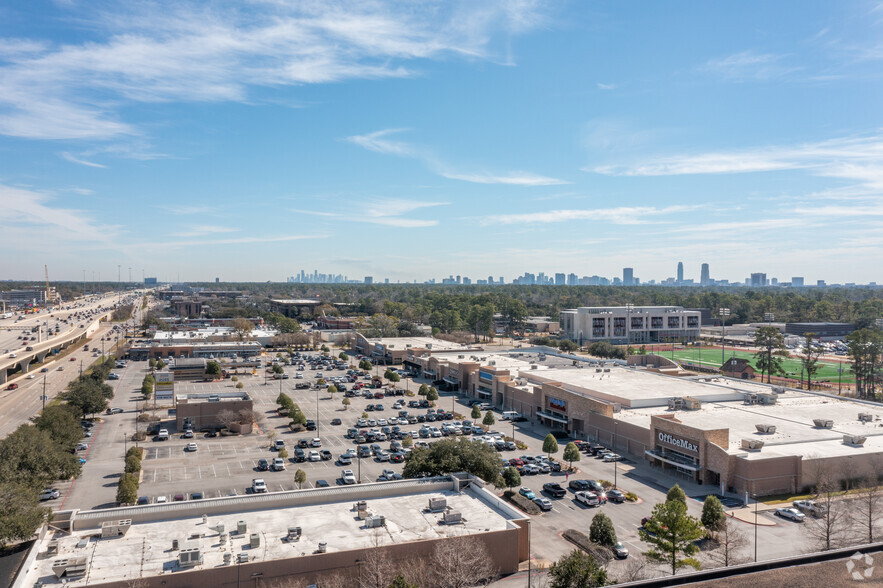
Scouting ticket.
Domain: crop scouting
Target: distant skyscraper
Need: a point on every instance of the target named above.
(704, 279)
(758, 280)
(369, 279)
(559, 279)
(572, 280)
(680, 272)
(627, 276)
(797, 282)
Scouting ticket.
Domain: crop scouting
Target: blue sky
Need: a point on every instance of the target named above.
(417, 139)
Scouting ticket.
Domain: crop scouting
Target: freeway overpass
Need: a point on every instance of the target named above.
(23, 359)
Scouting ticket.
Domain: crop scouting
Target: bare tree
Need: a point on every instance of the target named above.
(830, 528)
(636, 568)
(377, 569)
(731, 542)
(866, 509)
(246, 416)
(227, 418)
(462, 562)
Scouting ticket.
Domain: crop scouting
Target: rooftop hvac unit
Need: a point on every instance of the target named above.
(492, 362)
(254, 540)
(778, 390)
(823, 423)
(854, 439)
(73, 567)
(375, 521)
(461, 357)
(228, 557)
(242, 558)
(294, 533)
(452, 517)
(360, 505)
(598, 370)
(752, 444)
(533, 366)
(241, 527)
(115, 528)
(606, 370)
(438, 504)
(750, 398)
(323, 547)
(766, 399)
(865, 417)
(765, 428)
(691, 403)
(192, 556)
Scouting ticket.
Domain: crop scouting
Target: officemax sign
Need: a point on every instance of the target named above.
(677, 442)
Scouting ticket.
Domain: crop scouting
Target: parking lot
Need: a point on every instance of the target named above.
(224, 466)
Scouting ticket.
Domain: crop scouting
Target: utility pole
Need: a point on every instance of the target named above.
(44, 392)
(724, 313)
(119, 287)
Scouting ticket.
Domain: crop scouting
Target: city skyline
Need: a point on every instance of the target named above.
(409, 142)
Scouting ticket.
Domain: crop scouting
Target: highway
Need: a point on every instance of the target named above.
(19, 405)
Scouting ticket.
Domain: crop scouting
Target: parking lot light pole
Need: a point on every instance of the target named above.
(317, 413)
(755, 528)
(724, 313)
(615, 468)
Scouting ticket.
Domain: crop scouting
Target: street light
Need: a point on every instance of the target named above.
(755, 527)
(615, 468)
(628, 328)
(724, 313)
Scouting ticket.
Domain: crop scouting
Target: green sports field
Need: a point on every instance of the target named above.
(711, 357)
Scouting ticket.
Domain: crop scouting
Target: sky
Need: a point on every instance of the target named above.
(248, 140)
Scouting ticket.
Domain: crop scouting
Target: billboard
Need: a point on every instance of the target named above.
(165, 385)
(487, 376)
(557, 404)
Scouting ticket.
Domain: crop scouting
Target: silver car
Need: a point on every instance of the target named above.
(791, 514)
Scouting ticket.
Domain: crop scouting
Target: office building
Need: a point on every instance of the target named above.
(369, 279)
(680, 272)
(797, 282)
(628, 276)
(619, 325)
(705, 278)
(560, 280)
(757, 280)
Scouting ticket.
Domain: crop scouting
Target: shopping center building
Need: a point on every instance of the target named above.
(737, 435)
(635, 325)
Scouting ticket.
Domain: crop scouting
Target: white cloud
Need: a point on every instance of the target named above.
(749, 66)
(623, 215)
(606, 86)
(77, 160)
(388, 212)
(160, 244)
(183, 51)
(379, 143)
(184, 209)
(200, 230)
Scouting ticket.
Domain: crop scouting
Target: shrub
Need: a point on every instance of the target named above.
(133, 464)
(127, 490)
(601, 531)
(631, 496)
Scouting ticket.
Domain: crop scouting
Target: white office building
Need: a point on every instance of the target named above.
(635, 325)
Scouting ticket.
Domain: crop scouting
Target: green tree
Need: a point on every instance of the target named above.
(568, 346)
(407, 441)
(160, 364)
(488, 419)
(713, 515)
(300, 477)
(332, 390)
(601, 530)
(400, 582)
(511, 477)
(127, 489)
(423, 390)
(392, 376)
(242, 327)
(672, 533)
(577, 569)
(147, 386)
(571, 454)
(346, 403)
(240, 385)
(454, 455)
(133, 464)
(676, 493)
(151, 363)
(297, 416)
(343, 356)
(277, 369)
(771, 351)
(212, 368)
(865, 349)
(282, 453)
(365, 365)
(62, 423)
(284, 401)
(432, 395)
(476, 411)
(550, 445)
(20, 512)
(809, 358)
(87, 396)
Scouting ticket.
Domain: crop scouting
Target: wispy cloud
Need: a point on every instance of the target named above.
(183, 51)
(606, 86)
(77, 160)
(853, 158)
(749, 66)
(379, 142)
(388, 212)
(623, 215)
(160, 244)
(200, 230)
(185, 209)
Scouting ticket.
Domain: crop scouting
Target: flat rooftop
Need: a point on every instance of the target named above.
(637, 388)
(146, 549)
(793, 416)
(398, 343)
(221, 396)
(491, 360)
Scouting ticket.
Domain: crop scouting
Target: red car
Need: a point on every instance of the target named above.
(73, 359)
(12, 387)
(516, 462)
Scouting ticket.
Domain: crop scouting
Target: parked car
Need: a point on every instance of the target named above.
(190, 447)
(345, 459)
(616, 496)
(299, 455)
(579, 485)
(587, 498)
(258, 486)
(278, 464)
(348, 477)
(554, 490)
(263, 465)
(810, 507)
(791, 514)
(526, 492)
(49, 494)
(114, 410)
(620, 551)
(543, 503)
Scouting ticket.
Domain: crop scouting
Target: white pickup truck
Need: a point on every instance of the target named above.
(258, 486)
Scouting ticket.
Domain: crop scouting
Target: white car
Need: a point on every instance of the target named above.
(279, 464)
(31, 376)
(161, 499)
(49, 494)
(543, 503)
(382, 455)
(190, 447)
(316, 442)
(791, 514)
(314, 456)
(348, 477)
(258, 486)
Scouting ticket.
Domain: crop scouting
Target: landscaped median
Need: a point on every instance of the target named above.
(521, 502)
(127, 490)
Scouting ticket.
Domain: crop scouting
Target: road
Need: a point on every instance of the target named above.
(18, 406)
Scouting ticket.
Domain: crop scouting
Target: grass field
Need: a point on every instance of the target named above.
(711, 357)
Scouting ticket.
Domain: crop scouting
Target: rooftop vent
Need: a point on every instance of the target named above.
(766, 399)
(115, 528)
(73, 567)
(452, 517)
(189, 557)
(768, 429)
(375, 521)
(752, 444)
(865, 417)
(438, 504)
(778, 389)
(823, 423)
(854, 439)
